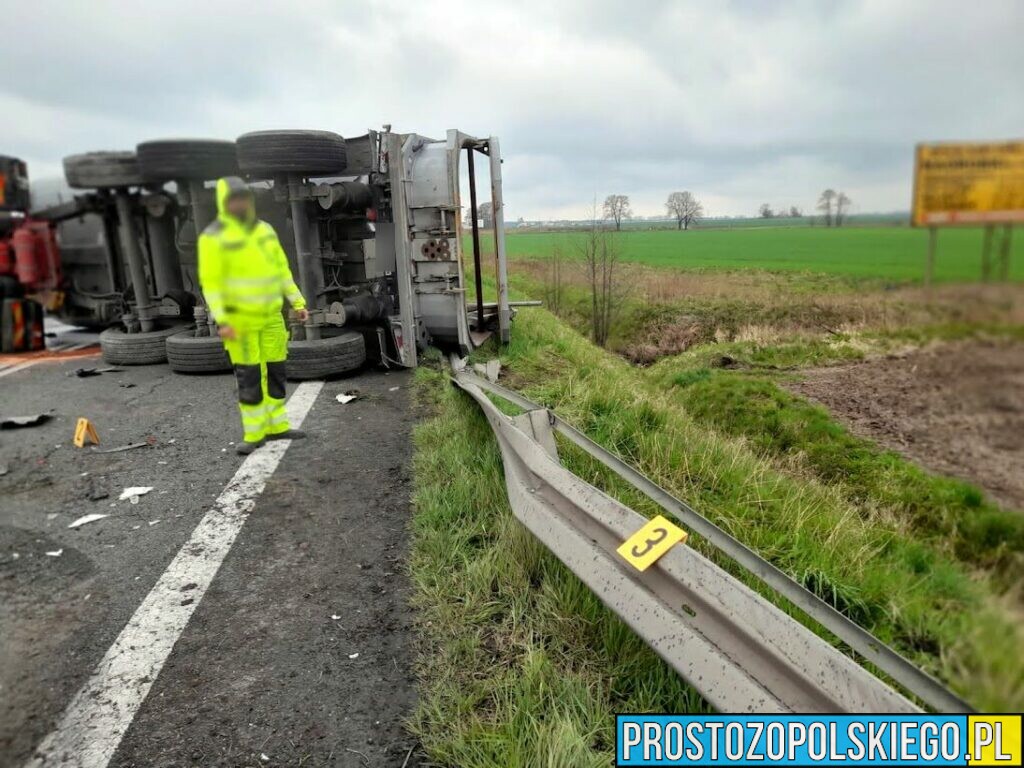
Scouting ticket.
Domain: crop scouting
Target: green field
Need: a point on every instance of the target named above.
(886, 253)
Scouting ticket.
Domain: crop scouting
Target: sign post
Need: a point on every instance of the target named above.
(929, 270)
(1004, 255)
(970, 184)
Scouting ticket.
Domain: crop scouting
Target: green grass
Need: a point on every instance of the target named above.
(894, 254)
(522, 666)
(954, 515)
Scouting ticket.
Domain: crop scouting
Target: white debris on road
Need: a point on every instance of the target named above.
(87, 519)
(133, 493)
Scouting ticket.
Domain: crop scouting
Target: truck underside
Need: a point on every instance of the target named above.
(372, 227)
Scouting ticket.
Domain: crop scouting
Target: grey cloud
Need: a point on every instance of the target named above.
(742, 101)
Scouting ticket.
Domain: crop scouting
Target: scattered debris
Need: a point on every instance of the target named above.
(153, 522)
(347, 397)
(4, 469)
(393, 389)
(264, 757)
(55, 552)
(134, 492)
(96, 493)
(335, 617)
(83, 373)
(17, 422)
(353, 655)
(126, 384)
(119, 449)
(87, 519)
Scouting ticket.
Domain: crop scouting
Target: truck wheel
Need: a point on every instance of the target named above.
(189, 159)
(120, 348)
(325, 357)
(309, 153)
(188, 353)
(102, 170)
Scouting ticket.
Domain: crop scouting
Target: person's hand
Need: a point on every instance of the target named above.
(227, 332)
(302, 314)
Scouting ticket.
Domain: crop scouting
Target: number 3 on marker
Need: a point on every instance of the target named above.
(643, 548)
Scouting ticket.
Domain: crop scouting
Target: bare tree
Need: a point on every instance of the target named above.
(602, 264)
(685, 208)
(825, 205)
(765, 211)
(616, 208)
(486, 215)
(842, 206)
(554, 288)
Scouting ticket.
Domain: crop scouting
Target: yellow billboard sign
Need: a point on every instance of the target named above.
(970, 183)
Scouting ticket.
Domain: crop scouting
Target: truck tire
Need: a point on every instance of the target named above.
(308, 153)
(165, 160)
(325, 357)
(102, 170)
(120, 348)
(188, 353)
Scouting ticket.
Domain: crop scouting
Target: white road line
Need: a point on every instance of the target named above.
(30, 363)
(98, 716)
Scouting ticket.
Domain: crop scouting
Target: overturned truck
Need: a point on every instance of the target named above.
(372, 227)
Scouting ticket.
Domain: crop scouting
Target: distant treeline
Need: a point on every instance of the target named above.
(899, 219)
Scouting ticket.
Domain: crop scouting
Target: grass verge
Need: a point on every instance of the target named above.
(522, 666)
(952, 514)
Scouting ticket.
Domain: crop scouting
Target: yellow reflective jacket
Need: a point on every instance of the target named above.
(243, 270)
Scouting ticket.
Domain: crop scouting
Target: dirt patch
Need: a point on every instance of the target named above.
(957, 409)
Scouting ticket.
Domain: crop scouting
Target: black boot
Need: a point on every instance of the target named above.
(291, 434)
(244, 448)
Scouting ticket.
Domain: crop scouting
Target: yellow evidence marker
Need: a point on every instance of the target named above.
(643, 548)
(84, 430)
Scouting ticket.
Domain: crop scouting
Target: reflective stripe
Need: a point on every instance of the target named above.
(251, 298)
(271, 280)
(250, 412)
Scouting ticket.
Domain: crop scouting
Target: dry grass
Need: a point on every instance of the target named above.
(669, 311)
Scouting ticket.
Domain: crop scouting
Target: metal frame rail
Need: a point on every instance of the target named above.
(740, 651)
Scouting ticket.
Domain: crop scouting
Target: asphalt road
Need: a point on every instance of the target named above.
(300, 651)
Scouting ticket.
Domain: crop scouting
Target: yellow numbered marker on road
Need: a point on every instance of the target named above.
(643, 548)
(84, 430)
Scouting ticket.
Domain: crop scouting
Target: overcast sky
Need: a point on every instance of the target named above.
(741, 102)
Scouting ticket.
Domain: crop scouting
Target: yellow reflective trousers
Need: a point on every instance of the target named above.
(258, 355)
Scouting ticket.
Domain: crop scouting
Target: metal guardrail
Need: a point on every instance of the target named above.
(740, 651)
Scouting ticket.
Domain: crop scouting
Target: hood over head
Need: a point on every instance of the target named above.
(230, 186)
